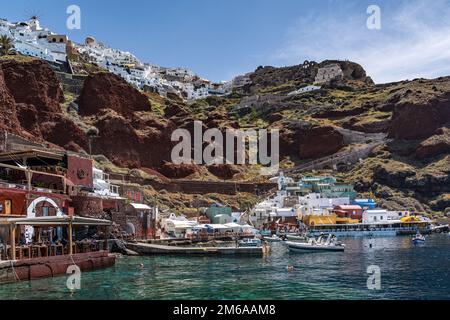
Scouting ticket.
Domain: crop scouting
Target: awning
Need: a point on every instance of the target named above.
(56, 221)
(140, 206)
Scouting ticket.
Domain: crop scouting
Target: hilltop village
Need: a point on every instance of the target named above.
(30, 39)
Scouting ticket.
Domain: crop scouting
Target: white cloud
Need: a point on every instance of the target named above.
(413, 42)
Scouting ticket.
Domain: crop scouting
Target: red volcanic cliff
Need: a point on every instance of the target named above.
(8, 113)
(33, 83)
(130, 144)
(421, 119)
(311, 142)
(108, 91)
(129, 134)
(30, 97)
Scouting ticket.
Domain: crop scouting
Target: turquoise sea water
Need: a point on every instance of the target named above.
(407, 272)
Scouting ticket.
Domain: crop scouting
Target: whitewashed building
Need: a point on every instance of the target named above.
(103, 186)
(30, 39)
(304, 90)
(383, 216)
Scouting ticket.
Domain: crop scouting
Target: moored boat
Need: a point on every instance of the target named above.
(246, 243)
(296, 238)
(274, 238)
(321, 244)
(418, 239)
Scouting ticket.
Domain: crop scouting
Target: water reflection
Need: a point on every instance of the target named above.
(408, 272)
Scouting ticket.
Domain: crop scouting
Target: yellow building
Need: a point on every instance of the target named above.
(312, 220)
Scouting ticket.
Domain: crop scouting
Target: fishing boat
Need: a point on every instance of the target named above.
(246, 243)
(323, 243)
(418, 239)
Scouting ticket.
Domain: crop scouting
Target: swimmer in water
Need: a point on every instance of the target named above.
(290, 268)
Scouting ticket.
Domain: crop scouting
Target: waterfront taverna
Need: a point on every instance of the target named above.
(55, 204)
(44, 257)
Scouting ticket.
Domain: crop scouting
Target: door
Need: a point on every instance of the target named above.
(8, 207)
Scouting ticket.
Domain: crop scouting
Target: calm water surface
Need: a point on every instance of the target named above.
(407, 272)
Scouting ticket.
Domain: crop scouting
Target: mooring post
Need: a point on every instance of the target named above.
(70, 239)
(12, 233)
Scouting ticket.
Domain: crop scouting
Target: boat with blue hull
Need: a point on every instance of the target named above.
(419, 239)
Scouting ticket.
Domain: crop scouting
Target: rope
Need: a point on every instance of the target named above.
(71, 258)
(16, 276)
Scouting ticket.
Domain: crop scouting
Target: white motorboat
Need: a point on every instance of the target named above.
(296, 238)
(274, 238)
(323, 243)
(250, 243)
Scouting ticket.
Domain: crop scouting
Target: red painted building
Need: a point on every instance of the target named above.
(349, 211)
(15, 202)
(79, 171)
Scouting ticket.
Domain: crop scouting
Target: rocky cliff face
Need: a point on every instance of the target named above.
(103, 91)
(133, 143)
(305, 73)
(311, 142)
(30, 97)
(419, 117)
(130, 135)
(410, 170)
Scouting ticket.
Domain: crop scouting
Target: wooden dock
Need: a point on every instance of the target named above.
(154, 249)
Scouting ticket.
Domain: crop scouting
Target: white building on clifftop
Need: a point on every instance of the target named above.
(30, 39)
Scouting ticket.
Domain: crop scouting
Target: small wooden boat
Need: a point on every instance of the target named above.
(321, 244)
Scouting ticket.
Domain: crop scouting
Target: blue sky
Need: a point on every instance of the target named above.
(219, 39)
